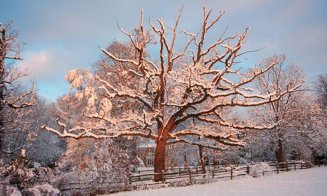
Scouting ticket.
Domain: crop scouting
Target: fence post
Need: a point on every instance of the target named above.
(213, 172)
(286, 166)
(294, 165)
(129, 177)
(277, 167)
(231, 172)
(190, 175)
(263, 173)
(207, 172)
(247, 169)
(163, 176)
(139, 175)
(179, 170)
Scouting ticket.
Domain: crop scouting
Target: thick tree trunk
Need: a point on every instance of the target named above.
(280, 155)
(159, 159)
(2, 83)
(203, 167)
(185, 160)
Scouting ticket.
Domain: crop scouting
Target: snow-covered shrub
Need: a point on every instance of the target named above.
(19, 175)
(258, 169)
(9, 190)
(180, 183)
(44, 190)
(93, 167)
(22, 176)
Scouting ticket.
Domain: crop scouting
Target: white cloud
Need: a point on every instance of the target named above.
(47, 65)
(35, 63)
(48, 68)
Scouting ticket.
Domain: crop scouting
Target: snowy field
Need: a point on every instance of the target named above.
(307, 182)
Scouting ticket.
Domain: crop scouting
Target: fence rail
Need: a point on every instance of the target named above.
(213, 171)
(191, 175)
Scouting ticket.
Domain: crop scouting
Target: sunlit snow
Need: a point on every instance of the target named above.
(309, 182)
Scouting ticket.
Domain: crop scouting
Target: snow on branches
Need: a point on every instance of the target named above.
(174, 95)
(13, 95)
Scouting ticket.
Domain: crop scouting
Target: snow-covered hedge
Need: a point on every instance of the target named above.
(93, 167)
(44, 190)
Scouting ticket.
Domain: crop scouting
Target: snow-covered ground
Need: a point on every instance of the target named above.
(307, 182)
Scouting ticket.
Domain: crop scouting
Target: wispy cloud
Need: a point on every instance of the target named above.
(48, 67)
(45, 65)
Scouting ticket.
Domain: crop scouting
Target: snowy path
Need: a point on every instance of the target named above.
(307, 182)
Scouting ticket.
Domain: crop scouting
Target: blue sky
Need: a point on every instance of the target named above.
(61, 35)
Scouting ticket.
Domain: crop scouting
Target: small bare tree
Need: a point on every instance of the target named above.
(183, 92)
(286, 111)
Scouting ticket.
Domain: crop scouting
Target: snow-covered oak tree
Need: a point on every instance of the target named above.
(13, 96)
(180, 92)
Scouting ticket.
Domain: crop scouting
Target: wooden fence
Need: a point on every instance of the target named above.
(212, 171)
(190, 175)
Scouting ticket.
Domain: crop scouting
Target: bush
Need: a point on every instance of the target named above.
(44, 190)
(10, 190)
(258, 169)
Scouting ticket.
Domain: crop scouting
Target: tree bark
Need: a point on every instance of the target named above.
(159, 159)
(203, 167)
(2, 83)
(280, 152)
(1, 123)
